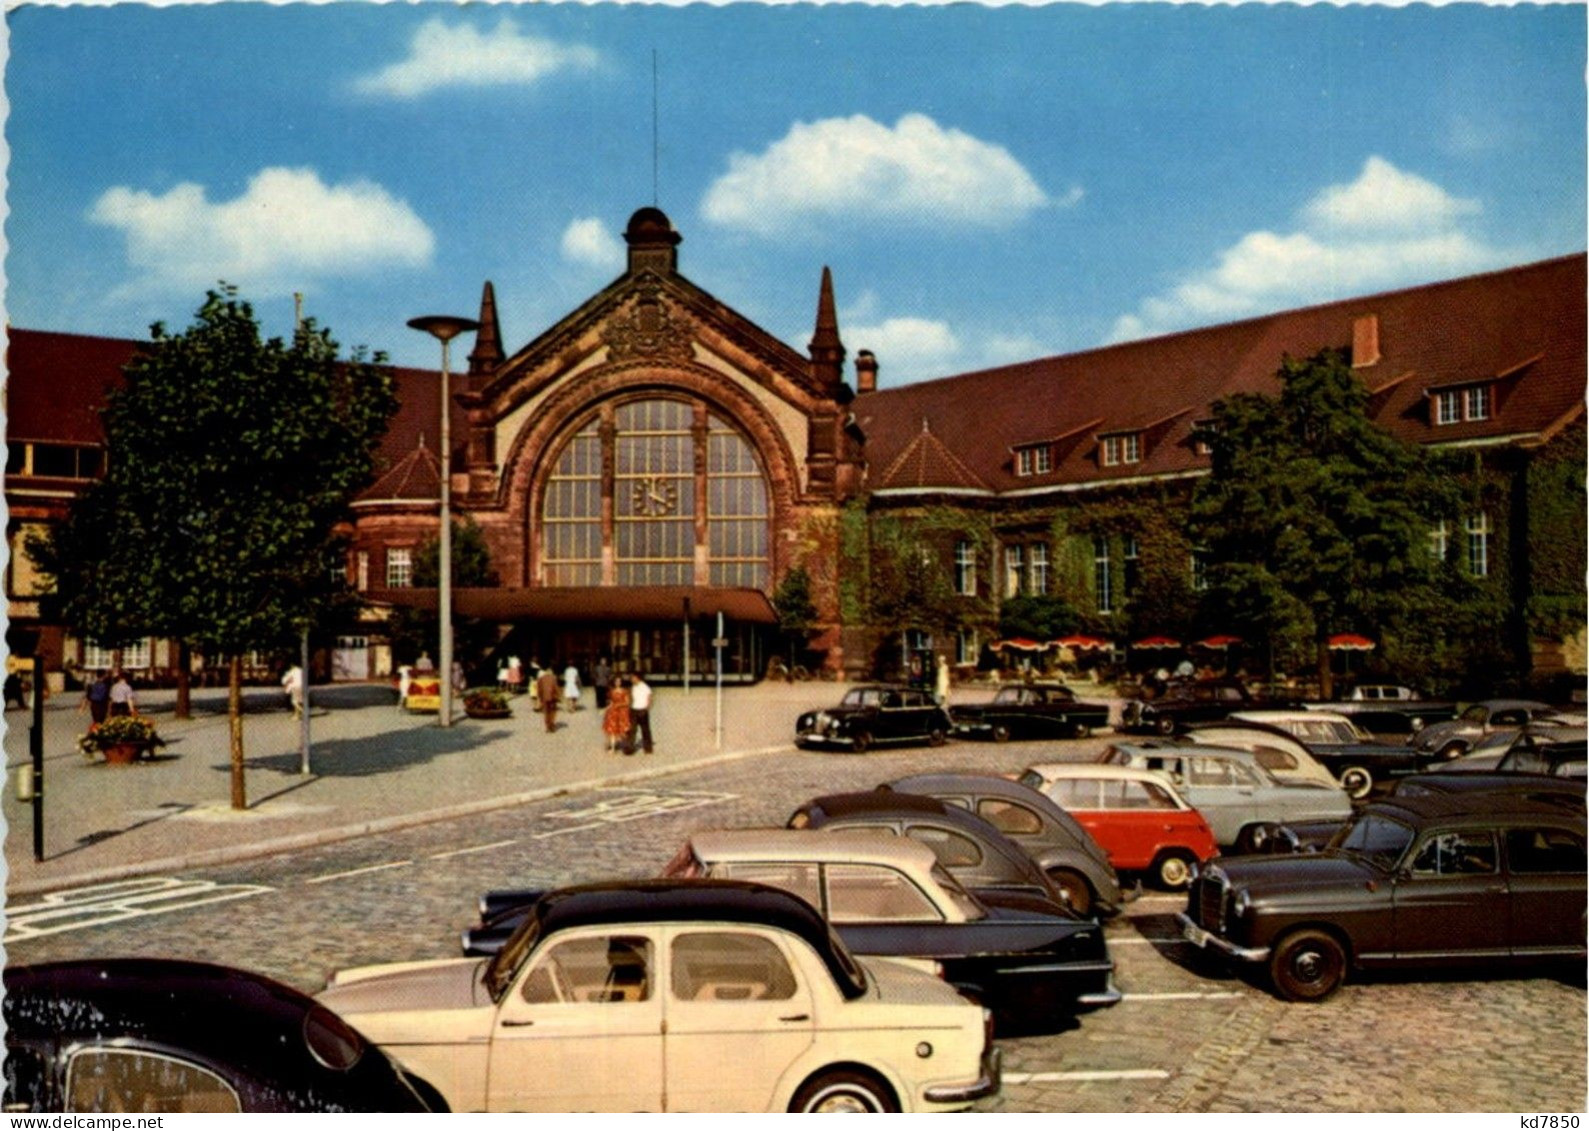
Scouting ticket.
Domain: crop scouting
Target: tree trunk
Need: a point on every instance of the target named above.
(1326, 676)
(184, 681)
(234, 717)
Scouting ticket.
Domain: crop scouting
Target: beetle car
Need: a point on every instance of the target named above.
(676, 995)
(1431, 880)
(1453, 738)
(159, 1035)
(1029, 960)
(1032, 710)
(1138, 817)
(1050, 836)
(872, 714)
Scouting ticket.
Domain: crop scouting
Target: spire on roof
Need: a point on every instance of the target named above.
(487, 352)
(827, 351)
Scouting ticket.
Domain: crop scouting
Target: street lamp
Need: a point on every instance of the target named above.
(444, 328)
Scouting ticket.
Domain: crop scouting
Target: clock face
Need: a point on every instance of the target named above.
(655, 496)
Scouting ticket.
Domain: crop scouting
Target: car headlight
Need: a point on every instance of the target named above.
(1242, 903)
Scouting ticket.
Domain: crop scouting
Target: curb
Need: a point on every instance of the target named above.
(235, 853)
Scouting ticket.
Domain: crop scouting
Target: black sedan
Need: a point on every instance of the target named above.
(1433, 880)
(872, 714)
(1035, 710)
(151, 1035)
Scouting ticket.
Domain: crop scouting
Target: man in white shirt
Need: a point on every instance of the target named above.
(640, 712)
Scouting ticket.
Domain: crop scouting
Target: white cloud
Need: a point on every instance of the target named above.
(589, 243)
(1385, 229)
(907, 348)
(858, 169)
(441, 56)
(286, 228)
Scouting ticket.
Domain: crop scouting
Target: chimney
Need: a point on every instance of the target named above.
(866, 372)
(1365, 341)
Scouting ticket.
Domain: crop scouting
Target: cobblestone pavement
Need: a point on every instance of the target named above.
(1188, 1036)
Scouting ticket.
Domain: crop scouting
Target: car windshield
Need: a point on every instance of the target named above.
(1008, 695)
(1114, 756)
(1374, 837)
(504, 965)
(964, 901)
(862, 697)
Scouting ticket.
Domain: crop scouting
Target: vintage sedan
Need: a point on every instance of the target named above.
(1136, 815)
(1032, 710)
(1282, 755)
(1185, 702)
(676, 995)
(1232, 789)
(1453, 738)
(1050, 836)
(1434, 880)
(879, 713)
(970, 848)
(1356, 759)
(160, 1035)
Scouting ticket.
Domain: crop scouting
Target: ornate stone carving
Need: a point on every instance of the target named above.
(650, 328)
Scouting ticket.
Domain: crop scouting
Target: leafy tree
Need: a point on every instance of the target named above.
(1037, 617)
(413, 631)
(1316, 520)
(797, 613)
(231, 460)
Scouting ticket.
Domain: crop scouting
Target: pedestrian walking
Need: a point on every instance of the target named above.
(536, 671)
(640, 713)
(515, 675)
(617, 722)
(292, 684)
(571, 688)
(941, 684)
(96, 697)
(405, 675)
(546, 692)
(122, 700)
(601, 680)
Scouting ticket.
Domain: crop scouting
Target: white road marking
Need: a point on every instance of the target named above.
(358, 872)
(1081, 1077)
(629, 805)
(476, 848)
(102, 904)
(1186, 996)
(1141, 940)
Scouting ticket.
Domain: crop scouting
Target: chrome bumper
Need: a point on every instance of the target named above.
(1109, 995)
(1198, 937)
(987, 1084)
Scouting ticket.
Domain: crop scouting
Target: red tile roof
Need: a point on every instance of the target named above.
(1482, 327)
(926, 462)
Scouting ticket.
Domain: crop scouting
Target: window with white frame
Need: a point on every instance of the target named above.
(1042, 460)
(1199, 567)
(1448, 407)
(362, 570)
(1102, 586)
(99, 658)
(1023, 462)
(1123, 447)
(399, 567)
(966, 646)
(1440, 540)
(965, 569)
(1014, 566)
(1129, 555)
(1479, 545)
(1039, 571)
(1476, 403)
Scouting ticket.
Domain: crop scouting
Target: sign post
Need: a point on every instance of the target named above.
(717, 645)
(36, 748)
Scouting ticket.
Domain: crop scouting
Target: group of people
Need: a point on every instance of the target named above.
(627, 721)
(107, 694)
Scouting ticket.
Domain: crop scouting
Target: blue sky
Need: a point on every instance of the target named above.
(988, 184)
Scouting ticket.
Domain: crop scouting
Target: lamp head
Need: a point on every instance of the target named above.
(443, 327)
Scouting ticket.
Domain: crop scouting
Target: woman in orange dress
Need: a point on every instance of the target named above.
(616, 724)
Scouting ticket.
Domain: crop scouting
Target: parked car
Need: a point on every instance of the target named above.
(158, 1035)
(1387, 709)
(1453, 738)
(1410, 881)
(1183, 702)
(1031, 710)
(1136, 815)
(1488, 752)
(970, 849)
(677, 995)
(873, 714)
(1285, 757)
(1231, 789)
(1356, 760)
(1049, 835)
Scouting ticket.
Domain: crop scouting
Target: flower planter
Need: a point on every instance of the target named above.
(123, 753)
(489, 712)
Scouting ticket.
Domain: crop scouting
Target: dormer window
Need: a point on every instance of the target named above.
(1042, 461)
(1448, 407)
(1203, 437)
(1463, 403)
(1122, 447)
(1476, 403)
(1023, 462)
(1037, 459)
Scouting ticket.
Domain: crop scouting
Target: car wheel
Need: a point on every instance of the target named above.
(1164, 725)
(1073, 885)
(1251, 839)
(1173, 870)
(1308, 966)
(936, 737)
(1357, 781)
(861, 742)
(1081, 730)
(844, 1092)
(1001, 732)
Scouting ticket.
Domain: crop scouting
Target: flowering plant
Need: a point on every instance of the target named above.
(119, 729)
(485, 699)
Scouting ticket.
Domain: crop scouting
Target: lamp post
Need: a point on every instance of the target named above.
(444, 328)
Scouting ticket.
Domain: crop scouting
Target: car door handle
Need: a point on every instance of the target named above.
(516, 1024)
(796, 1017)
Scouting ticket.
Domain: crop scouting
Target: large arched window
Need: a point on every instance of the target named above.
(656, 492)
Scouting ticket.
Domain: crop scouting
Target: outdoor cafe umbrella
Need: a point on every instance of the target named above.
(1019, 644)
(1217, 643)
(1157, 642)
(1080, 642)
(1350, 642)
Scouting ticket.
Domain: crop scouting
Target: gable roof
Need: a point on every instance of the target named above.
(926, 462)
(1521, 328)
